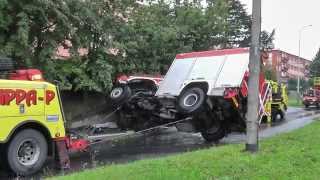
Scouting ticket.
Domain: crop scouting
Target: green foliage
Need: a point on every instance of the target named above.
(270, 73)
(315, 66)
(144, 38)
(83, 74)
(30, 30)
(267, 39)
(157, 32)
(304, 84)
(292, 84)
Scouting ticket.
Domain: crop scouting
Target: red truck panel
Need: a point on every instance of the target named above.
(27, 75)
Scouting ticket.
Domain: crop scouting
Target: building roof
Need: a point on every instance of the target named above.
(280, 51)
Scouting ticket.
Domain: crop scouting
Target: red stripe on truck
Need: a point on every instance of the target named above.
(213, 53)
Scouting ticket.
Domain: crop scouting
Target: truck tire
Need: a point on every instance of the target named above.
(214, 134)
(27, 152)
(191, 100)
(6, 64)
(120, 94)
(3, 158)
(282, 115)
(274, 115)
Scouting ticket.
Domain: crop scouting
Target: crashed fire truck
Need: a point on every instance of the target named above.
(209, 89)
(202, 92)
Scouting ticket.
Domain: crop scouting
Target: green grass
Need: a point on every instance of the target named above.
(295, 155)
(293, 102)
(293, 99)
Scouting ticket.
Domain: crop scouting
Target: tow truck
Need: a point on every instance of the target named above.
(32, 121)
(202, 92)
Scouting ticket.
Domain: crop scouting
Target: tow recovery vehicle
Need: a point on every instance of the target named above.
(202, 92)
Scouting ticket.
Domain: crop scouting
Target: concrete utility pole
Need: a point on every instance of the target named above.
(298, 83)
(254, 73)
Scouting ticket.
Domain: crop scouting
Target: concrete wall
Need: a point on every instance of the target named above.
(83, 106)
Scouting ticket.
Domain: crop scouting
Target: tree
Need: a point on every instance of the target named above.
(267, 39)
(30, 30)
(231, 21)
(95, 30)
(155, 33)
(239, 24)
(120, 36)
(304, 84)
(270, 73)
(315, 65)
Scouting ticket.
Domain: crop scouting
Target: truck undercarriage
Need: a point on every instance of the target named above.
(141, 109)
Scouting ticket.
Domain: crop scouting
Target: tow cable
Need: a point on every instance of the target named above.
(80, 142)
(106, 137)
(102, 125)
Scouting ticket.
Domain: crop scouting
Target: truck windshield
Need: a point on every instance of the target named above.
(310, 93)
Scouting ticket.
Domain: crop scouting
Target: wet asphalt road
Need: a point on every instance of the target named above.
(168, 141)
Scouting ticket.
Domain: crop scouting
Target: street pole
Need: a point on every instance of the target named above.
(253, 85)
(298, 87)
(298, 82)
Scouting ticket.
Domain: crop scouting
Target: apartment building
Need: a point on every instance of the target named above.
(288, 65)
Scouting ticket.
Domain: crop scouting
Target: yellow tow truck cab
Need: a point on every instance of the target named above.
(30, 102)
(31, 122)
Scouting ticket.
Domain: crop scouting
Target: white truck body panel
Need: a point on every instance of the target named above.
(175, 77)
(206, 68)
(233, 71)
(218, 70)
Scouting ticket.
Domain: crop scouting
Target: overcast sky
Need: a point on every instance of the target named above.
(287, 17)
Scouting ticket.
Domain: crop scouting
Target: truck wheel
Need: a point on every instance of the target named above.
(27, 152)
(3, 158)
(274, 115)
(214, 133)
(282, 115)
(191, 100)
(120, 94)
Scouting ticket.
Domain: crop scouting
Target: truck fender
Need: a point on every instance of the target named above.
(32, 125)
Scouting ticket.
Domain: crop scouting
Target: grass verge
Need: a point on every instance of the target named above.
(295, 155)
(293, 102)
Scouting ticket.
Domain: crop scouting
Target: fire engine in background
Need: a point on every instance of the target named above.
(311, 97)
(277, 102)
